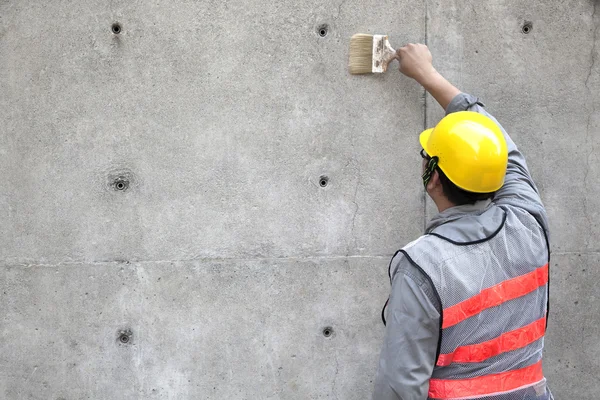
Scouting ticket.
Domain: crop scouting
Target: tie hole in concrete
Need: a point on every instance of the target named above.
(327, 331)
(527, 27)
(125, 337)
(116, 28)
(121, 180)
(323, 30)
(121, 184)
(323, 181)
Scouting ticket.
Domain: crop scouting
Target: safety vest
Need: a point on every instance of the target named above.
(494, 298)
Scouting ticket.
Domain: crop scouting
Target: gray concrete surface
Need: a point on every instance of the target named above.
(223, 260)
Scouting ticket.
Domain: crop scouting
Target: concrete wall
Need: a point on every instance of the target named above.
(215, 271)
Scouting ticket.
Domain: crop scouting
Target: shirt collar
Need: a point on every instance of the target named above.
(456, 212)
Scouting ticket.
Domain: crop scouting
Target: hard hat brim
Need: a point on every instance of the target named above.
(424, 138)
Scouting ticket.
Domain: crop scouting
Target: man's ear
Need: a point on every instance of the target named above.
(434, 183)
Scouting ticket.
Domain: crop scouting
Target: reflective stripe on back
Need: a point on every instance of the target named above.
(508, 341)
(486, 385)
(495, 295)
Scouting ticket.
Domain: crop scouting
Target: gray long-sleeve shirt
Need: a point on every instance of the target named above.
(413, 312)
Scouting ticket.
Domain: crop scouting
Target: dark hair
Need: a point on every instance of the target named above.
(459, 196)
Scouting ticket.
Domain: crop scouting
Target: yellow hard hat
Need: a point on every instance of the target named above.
(471, 151)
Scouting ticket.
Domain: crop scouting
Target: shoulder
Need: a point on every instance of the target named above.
(526, 213)
(404, 260)
(404, 271)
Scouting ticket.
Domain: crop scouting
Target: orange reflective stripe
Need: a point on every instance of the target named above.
(506, 342)
(486, 385)
(495, 295)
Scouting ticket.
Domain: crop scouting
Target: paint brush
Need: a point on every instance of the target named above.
(370, 54)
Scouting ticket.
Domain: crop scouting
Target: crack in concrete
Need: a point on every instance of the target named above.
(357, 207)
(340, 8)
(590, 115)
(337, 370)
(358, 175)
(593, 49)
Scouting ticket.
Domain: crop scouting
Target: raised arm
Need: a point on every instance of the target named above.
(518, 190)
(416, 63)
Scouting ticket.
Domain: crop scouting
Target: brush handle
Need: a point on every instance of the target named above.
(389, 55)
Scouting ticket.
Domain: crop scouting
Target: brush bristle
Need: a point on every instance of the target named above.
(361, 54)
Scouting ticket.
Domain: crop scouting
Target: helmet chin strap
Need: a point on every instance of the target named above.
(431, 166)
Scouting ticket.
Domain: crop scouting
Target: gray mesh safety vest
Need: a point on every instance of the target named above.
(494, 298)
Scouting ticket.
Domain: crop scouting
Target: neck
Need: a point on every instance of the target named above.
(442, 203)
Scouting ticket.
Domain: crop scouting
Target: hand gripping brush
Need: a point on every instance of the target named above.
(370, 54)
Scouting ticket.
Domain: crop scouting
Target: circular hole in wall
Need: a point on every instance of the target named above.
(323, 181)
(116, 28)
(323, 30)
(121, 184)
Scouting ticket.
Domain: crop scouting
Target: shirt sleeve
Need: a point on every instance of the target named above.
(518, 190)
(411, 337)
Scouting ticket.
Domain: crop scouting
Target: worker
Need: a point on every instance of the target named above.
(468, 306)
